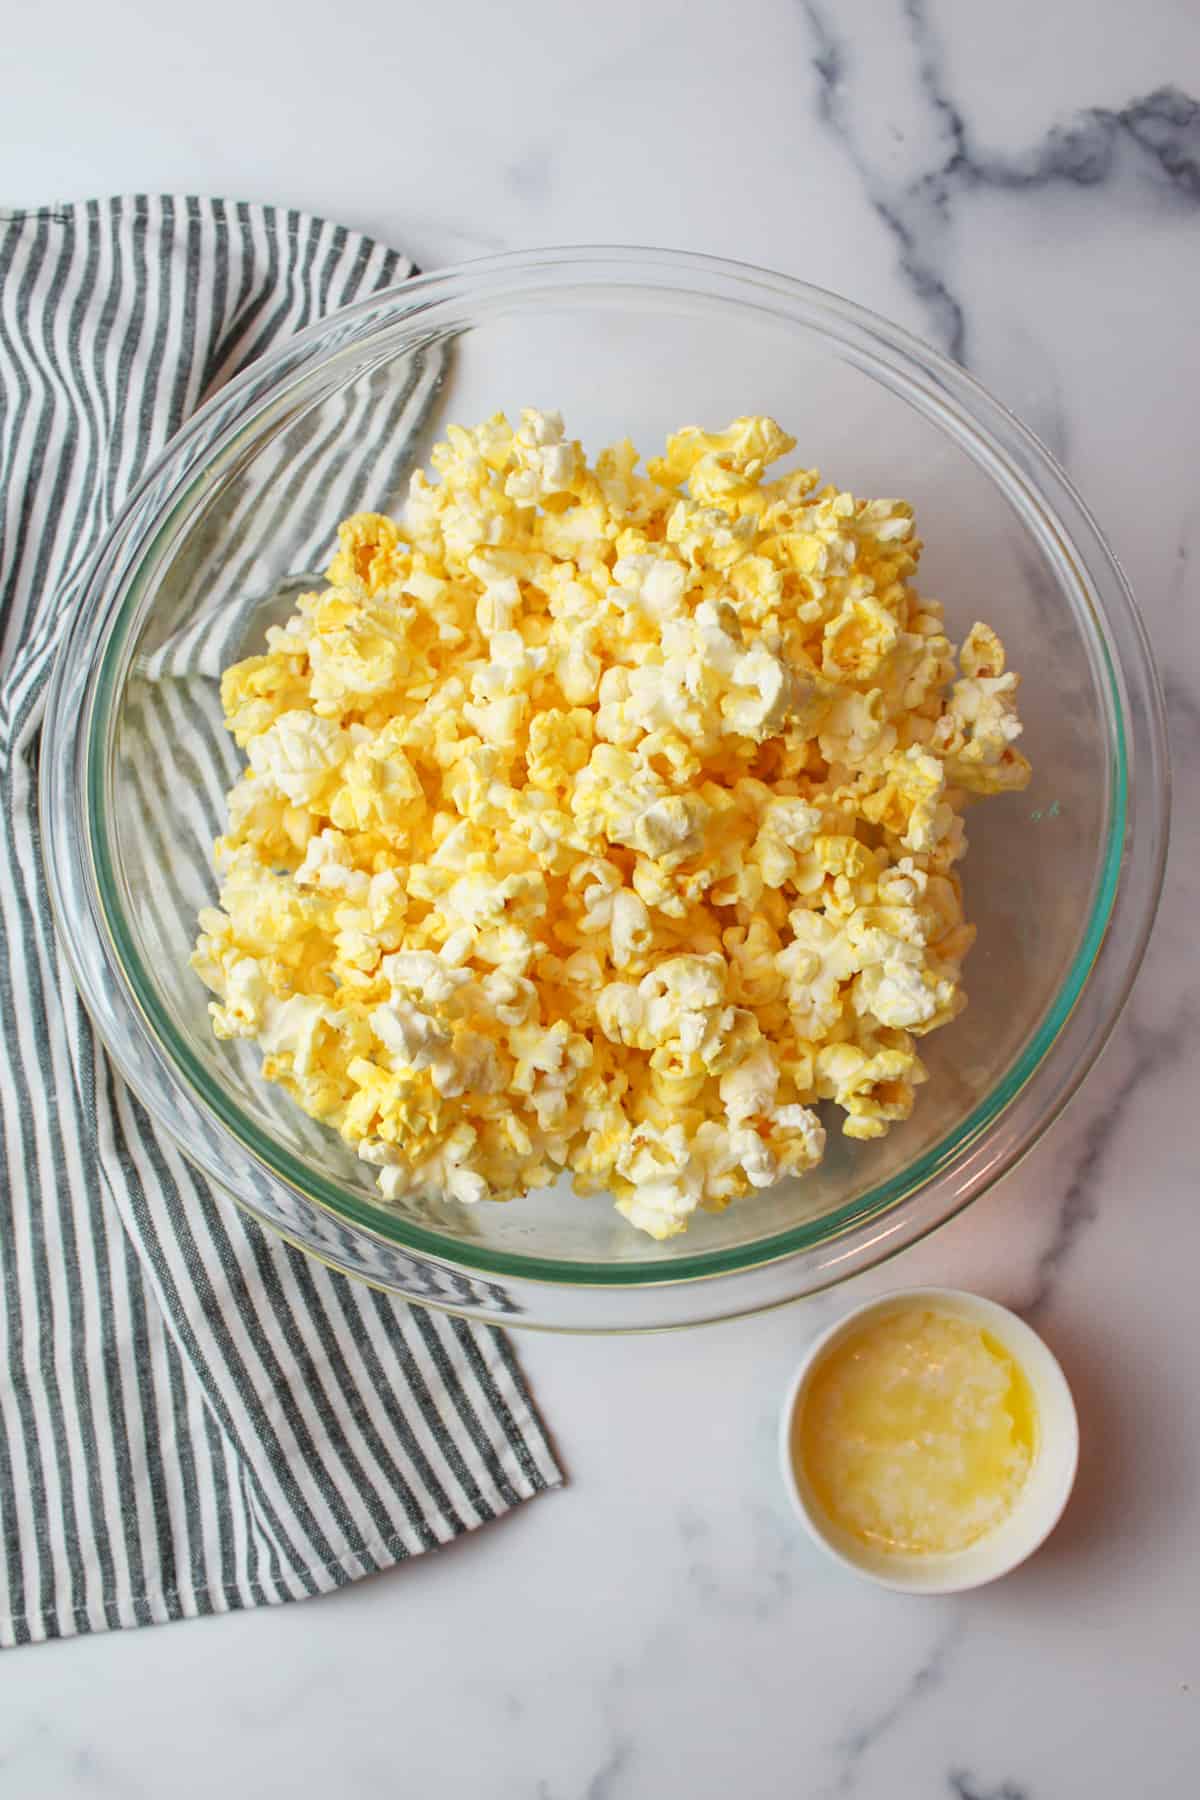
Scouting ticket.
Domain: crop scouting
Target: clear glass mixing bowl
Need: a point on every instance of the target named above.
(238, 514)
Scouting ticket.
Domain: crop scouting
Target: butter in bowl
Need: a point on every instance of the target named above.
(929, 1440)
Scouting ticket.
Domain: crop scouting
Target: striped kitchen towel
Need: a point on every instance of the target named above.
(193, 1416)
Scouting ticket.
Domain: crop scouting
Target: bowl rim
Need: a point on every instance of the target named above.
(75, 738)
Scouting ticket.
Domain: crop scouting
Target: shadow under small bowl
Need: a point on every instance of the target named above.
(238, 515)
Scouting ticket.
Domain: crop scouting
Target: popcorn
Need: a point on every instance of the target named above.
(328, 866)
(979, 725)
(606, 821)
(632, 935)
(298, 754)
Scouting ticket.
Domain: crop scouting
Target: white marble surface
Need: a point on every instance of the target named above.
(1020, 183)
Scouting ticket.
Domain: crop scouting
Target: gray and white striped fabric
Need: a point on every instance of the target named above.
(193, 1416)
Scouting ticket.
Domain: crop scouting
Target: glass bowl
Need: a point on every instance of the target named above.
(238, 515)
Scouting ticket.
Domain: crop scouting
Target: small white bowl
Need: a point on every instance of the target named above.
(1040, 1503)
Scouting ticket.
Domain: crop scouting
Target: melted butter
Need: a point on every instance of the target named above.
(918, 1432)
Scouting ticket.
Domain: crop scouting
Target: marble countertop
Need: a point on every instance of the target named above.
(1021, 185)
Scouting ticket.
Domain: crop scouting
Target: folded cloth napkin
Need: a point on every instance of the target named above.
(193, 1416)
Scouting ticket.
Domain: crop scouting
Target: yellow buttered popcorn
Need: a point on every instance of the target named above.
(605, 821)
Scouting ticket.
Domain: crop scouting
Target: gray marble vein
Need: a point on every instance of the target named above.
(926, 156)
(1183, 718)
(1179, 680)
(760, 1585)
(907, 179)
(965, 1786)
(863, 1739)
(1144, 1052)
(606, 1782)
